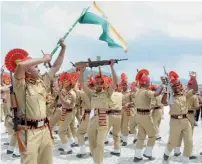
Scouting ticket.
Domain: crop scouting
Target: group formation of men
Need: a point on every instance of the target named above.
(48, 103)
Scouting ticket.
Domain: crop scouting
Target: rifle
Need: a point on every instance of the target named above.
(45, 64)
(169, 88)
(96, 63)
(2, 72)
(16, 120)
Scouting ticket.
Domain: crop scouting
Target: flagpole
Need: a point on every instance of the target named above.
(67, 33)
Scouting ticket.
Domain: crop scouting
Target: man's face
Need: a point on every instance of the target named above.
(33, 71)
(99, 84)
(177, 89)
(6, 81)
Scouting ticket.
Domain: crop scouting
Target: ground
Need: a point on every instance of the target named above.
(127, 153)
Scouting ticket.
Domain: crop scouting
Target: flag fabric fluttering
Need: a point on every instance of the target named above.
(94, 15)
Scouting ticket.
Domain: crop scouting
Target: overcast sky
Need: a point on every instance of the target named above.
(157, 33)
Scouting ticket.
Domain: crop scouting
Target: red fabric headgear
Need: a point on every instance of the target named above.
(64, 78)
(15, 56)
(107, 80)
(174, 78)
(142, 76)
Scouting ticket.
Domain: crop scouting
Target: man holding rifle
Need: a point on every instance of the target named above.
(33, 133)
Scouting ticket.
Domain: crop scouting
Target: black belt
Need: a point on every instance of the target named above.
(112, 111)
(190, 112)
(143, 110)
(87, 111)
(181, 116)
(35, 123)
(156, 107)
(59, 105)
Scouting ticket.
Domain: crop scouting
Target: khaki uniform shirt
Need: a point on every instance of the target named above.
(31, 95)
(143, 98)
(156, 101)
(180, 105)
(192, 102)
(116, 101)
(99, 100)
(71, 97)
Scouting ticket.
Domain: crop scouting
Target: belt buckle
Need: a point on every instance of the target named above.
(180, 117)
(40, 123)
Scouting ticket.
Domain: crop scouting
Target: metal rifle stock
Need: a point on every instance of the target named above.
(169, 88)
(16, 121)
(96, 63)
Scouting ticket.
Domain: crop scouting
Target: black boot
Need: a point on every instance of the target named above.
(15, 156)
(66, 152)
(116, 154)
(134, 141)
(149, 157)
(165, 157)
(80, 155)
(137, 159)
(60, 149)
(106, 142)
(9, 152)
(177, 154)
(192, 157)
(124, 143)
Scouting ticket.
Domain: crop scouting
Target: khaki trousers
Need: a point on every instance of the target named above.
(115, 123)
(39, 147)
(180, 128)
(157, 116)
(2, 113)
(83, 126)
(55, 118)
(133, 125)
(145, 127)
(72, 129)
(126, 116)
(63, 129)
(96, 137)
(191, 119)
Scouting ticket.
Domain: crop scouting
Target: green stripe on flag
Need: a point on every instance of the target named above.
(90, 18)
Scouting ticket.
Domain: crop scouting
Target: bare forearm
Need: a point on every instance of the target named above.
(115, 80)
(81, 79)
(57, 64)
(164, 99)
(22, 66)
(158, 92)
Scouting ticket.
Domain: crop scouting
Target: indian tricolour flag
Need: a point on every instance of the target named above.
(94, 15)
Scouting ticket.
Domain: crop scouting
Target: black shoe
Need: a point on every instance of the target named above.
(158, 138)
(192, 157)
(124, 143)
(110, 133)
(106, 142)
(149, 157)
(80, 155)
(165, 157)
(9, 152)
(86, 139)
(15, 156)
(137, 159)
(56, 132)
(74, 145)
(90, 154)
(116, 154)
(201, 153)
(66, 152)
(6, 143)
(134, 141)
(177, 154)
(60, 149)
(121, 140)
